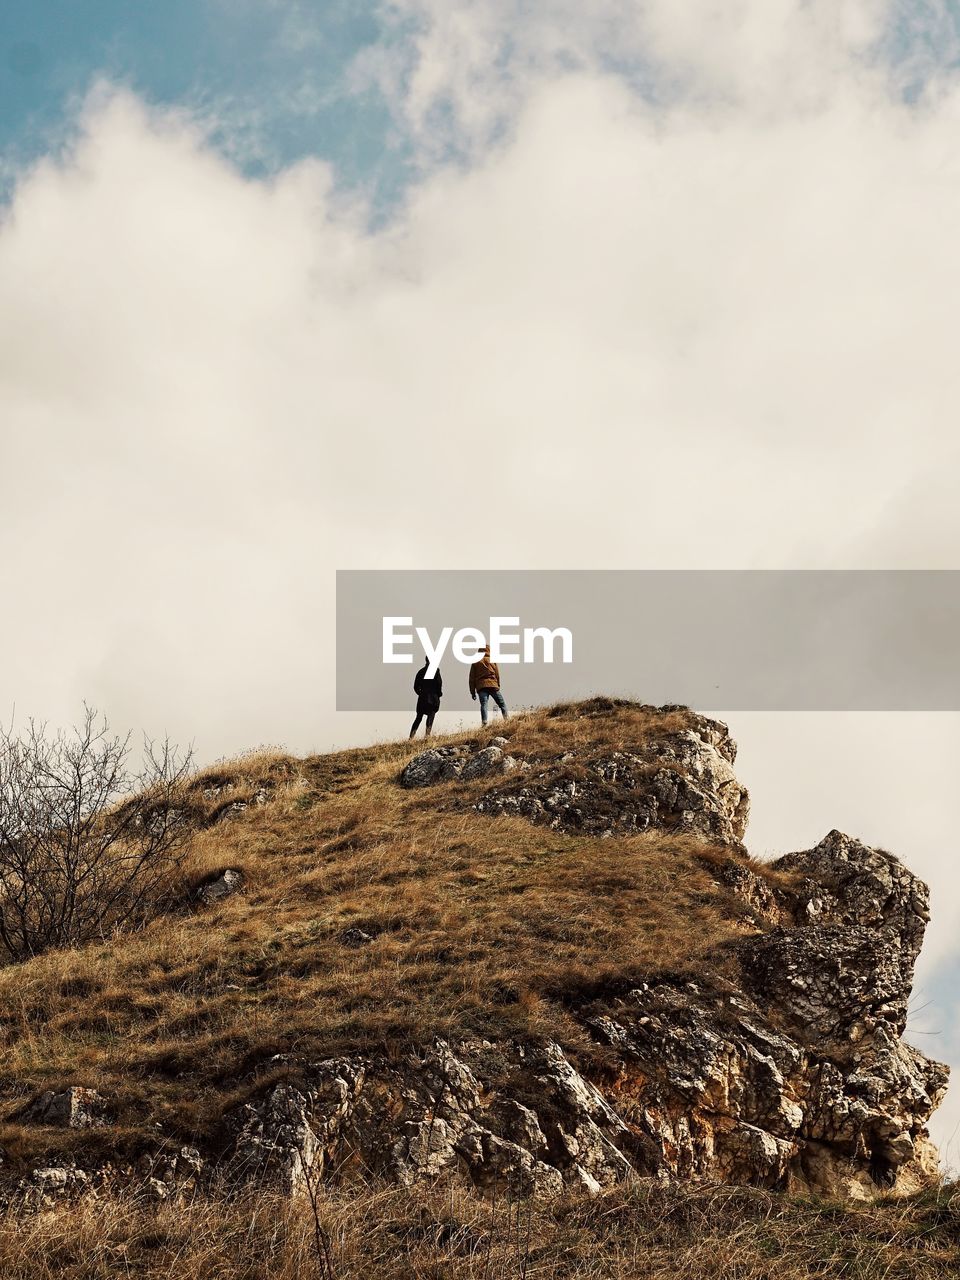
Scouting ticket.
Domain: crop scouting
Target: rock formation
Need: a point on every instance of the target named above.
(680, 780)
(778, 1062)
(784, 1067)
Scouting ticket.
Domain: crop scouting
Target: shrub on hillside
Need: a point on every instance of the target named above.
(88, 842)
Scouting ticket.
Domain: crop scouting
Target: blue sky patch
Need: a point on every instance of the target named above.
(271, 80)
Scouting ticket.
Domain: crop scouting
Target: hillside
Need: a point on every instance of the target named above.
(544, 967)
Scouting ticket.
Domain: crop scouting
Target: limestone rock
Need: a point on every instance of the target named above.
(755, 892)
(171, 1173)
(439, 764)
(680, 781)
(226, 883)
(798, 1080)
(53, 1179)
(490, 760)
(443, 764)
(233, 808)
(48, 1186)
(74, 1108)
(845, 967)
(288, 1134)
(430, 1115)
(848, 883)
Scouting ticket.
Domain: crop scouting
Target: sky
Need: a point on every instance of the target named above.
(289, 287)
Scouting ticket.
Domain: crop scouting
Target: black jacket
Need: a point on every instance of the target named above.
(429, 692)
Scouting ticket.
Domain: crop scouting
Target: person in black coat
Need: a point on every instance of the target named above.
(429, 693)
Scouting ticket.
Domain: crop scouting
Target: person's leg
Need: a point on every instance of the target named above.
(429, 724)
(499, 700)
(416, 725)
(483, 695)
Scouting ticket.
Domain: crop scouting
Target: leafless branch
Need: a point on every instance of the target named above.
(88, 844)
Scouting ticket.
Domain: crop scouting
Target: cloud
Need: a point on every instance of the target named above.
(721, 336)
(721, 339)
(692, 306)
(467, 68)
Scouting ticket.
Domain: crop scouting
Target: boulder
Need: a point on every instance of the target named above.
(223, 886)
(444, 764)
(175, 1171)
(489, 760)
(47, 1186)
(74, 1108)
(439, 764)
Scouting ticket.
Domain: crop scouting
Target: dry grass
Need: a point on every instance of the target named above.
(645, 1231)
(480, 926)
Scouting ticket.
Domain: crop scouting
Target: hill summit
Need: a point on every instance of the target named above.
(540, 959)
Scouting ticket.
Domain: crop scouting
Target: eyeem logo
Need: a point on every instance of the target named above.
(505, 646)
(770, 648)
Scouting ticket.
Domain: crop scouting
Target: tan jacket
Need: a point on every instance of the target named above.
(484, 674)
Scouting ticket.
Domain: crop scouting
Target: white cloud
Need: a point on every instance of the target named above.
(779, 52)
(719, 338)
(469, 67)
(717, 331)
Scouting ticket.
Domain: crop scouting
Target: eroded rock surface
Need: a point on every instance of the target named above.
(433, 1114)
(443, 764)
(681, 780)
(74, 1108)
(783, 1067)
(678, 780)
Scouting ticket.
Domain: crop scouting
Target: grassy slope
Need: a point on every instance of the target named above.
(480, 925)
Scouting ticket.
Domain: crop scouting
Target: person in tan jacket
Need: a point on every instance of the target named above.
(485, 684)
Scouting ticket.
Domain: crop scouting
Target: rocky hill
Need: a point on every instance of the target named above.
(541, 964)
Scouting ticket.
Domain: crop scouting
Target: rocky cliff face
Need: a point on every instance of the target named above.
(784, 1067)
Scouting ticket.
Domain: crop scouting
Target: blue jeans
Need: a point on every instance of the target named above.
(485, 695)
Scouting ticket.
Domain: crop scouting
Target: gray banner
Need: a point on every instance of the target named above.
(750, 640)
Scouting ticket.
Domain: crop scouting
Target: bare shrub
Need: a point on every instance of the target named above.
(89, 842)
